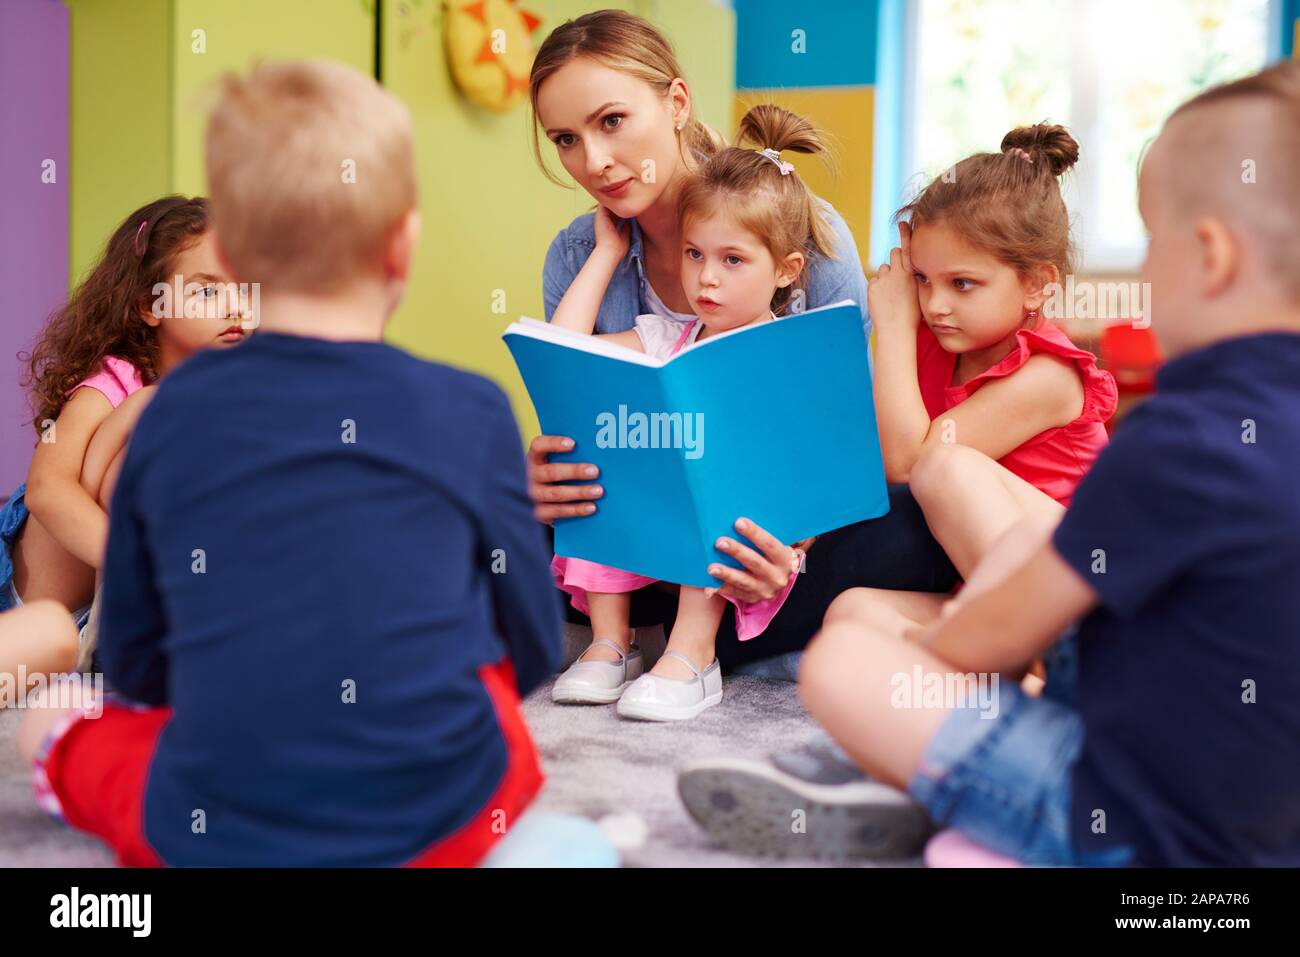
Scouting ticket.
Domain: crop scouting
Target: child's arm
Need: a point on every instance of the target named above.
(110, 439)
(581, 302)
(1007, 626)
(54, 491)
(1001, 416)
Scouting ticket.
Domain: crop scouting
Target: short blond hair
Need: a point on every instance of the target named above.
(310, 168)
(1216, 133)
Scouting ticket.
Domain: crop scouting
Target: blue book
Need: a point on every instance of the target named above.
(774, 423)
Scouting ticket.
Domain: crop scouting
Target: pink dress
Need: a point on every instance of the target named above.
(116, 379)
(576, 576)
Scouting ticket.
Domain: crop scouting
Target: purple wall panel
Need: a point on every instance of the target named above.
(33, 214)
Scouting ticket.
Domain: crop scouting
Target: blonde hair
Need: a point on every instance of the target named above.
(623, 42)
(1208, 175)
(311, 166)
(751, 189)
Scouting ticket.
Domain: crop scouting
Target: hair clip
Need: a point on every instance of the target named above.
(135, 243)
(785, 168)
(1017, 151)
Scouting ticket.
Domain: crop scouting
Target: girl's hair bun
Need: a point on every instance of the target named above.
(1044, 142)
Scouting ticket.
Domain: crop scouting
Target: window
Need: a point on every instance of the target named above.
(1109, 70)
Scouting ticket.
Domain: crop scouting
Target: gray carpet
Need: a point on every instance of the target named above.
(596, 764)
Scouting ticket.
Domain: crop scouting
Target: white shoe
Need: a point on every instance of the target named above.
(597, 682)
(656, 698)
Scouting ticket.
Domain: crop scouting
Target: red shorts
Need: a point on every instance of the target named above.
(92, 772)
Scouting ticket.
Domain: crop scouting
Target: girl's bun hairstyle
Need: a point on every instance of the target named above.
(1008, 203)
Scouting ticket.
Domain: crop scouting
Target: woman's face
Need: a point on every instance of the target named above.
(614, 133)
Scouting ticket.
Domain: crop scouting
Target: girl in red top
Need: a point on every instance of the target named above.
(984, 407)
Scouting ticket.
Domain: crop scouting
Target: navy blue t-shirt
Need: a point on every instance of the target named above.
(1188, 527)
(314, 548)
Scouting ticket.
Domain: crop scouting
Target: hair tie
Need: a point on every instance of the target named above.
(785, 168)
(135, 243)
(1017, 151)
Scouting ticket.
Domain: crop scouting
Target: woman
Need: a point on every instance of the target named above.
(608, 92)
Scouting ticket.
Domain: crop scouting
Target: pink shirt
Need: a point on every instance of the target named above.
(1054, 461)
(116, 379)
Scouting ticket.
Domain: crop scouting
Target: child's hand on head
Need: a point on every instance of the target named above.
(891, 295)
(612, 234)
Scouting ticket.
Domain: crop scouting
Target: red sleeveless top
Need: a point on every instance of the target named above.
(1053, 461)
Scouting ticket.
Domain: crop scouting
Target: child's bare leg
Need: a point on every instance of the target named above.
(610, 615)
(39, 636)
(43, 713)
(847, 680)
(695, 633)
(890, 611)
(969, 501)
(46, 571)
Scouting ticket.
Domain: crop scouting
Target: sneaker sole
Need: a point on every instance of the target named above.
(656, 712)
(751, 807)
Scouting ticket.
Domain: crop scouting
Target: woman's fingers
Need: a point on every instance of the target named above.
(739, 584)
(546, 494)
(543, 445)
(549, 513)
(549, 472)
(757, 565)
(776, 551)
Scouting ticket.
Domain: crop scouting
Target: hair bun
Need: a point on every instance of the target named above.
(1044, 141)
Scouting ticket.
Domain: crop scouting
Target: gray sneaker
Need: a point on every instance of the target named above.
(812, 803)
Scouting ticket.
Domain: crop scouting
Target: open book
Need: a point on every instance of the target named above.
(773, 422)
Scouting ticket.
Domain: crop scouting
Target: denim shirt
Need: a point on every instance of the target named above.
(828, 280)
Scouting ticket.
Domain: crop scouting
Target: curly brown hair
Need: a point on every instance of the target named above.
(103, 316)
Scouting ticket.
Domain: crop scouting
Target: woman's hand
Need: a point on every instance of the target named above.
(552, 501)
(891, 296)
(763, 575)
(613, 235)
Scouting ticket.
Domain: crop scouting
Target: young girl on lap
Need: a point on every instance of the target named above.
(749, 225)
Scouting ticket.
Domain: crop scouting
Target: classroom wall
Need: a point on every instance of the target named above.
(34, 198)
(489, 214)
(139, 81)
(817, 60)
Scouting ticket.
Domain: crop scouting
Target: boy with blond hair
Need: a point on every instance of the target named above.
(1168, 731)
(306, 591)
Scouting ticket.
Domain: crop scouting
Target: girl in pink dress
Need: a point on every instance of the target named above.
(90, 372)
(748, 226)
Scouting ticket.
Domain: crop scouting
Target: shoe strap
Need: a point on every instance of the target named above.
(689, 664)
(622, 655)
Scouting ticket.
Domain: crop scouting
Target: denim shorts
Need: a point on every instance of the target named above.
(1006, 781)
(13, 515)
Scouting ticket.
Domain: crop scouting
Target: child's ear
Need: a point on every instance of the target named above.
(400, 250)
(1036, 286)
(789, 269)
(1220, 256)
